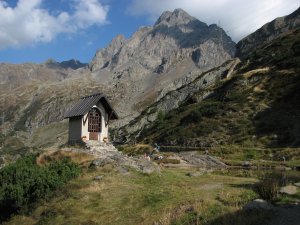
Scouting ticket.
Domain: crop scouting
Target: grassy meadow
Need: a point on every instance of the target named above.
(172, 196)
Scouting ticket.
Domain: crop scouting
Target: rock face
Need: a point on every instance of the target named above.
(267, 33)
(157, 58)
(175, 35)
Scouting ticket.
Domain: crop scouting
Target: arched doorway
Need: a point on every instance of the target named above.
(94, 124)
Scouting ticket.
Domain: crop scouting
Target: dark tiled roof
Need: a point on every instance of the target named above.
(87, 102)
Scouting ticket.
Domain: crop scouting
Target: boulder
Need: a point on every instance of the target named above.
(109, 155)
(297, 184)
(196, 159)
(289, 190)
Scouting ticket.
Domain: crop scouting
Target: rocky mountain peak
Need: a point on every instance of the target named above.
(72, 64)
(177, 17)
(176, 36)
(118, 41)
(69, 64)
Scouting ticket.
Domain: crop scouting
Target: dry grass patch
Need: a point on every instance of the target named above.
(256, 71)
(80, 158)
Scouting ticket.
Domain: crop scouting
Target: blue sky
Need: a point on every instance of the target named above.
(36, 30)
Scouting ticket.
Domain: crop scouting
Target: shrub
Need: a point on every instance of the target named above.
(268, 187)
(24, 182)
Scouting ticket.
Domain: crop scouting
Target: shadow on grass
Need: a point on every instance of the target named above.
(281, 121)
(244, 217)
(239, 217)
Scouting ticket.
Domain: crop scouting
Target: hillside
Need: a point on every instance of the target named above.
(258, 106)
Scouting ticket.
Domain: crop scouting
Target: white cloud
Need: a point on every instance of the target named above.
(29, 23)
(238, 17)
(89, 13)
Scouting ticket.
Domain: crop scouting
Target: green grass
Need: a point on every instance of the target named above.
(142, 199)
(289, 199)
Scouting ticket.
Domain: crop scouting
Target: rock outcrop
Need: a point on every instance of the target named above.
(108, 154)
(206, 161)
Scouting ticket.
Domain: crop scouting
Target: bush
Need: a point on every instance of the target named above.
(24, 182)
(268, 187)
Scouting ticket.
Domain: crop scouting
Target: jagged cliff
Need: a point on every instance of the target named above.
(174, 36)
(158, 58)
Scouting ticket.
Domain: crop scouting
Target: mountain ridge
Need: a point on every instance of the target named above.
(267, 33)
